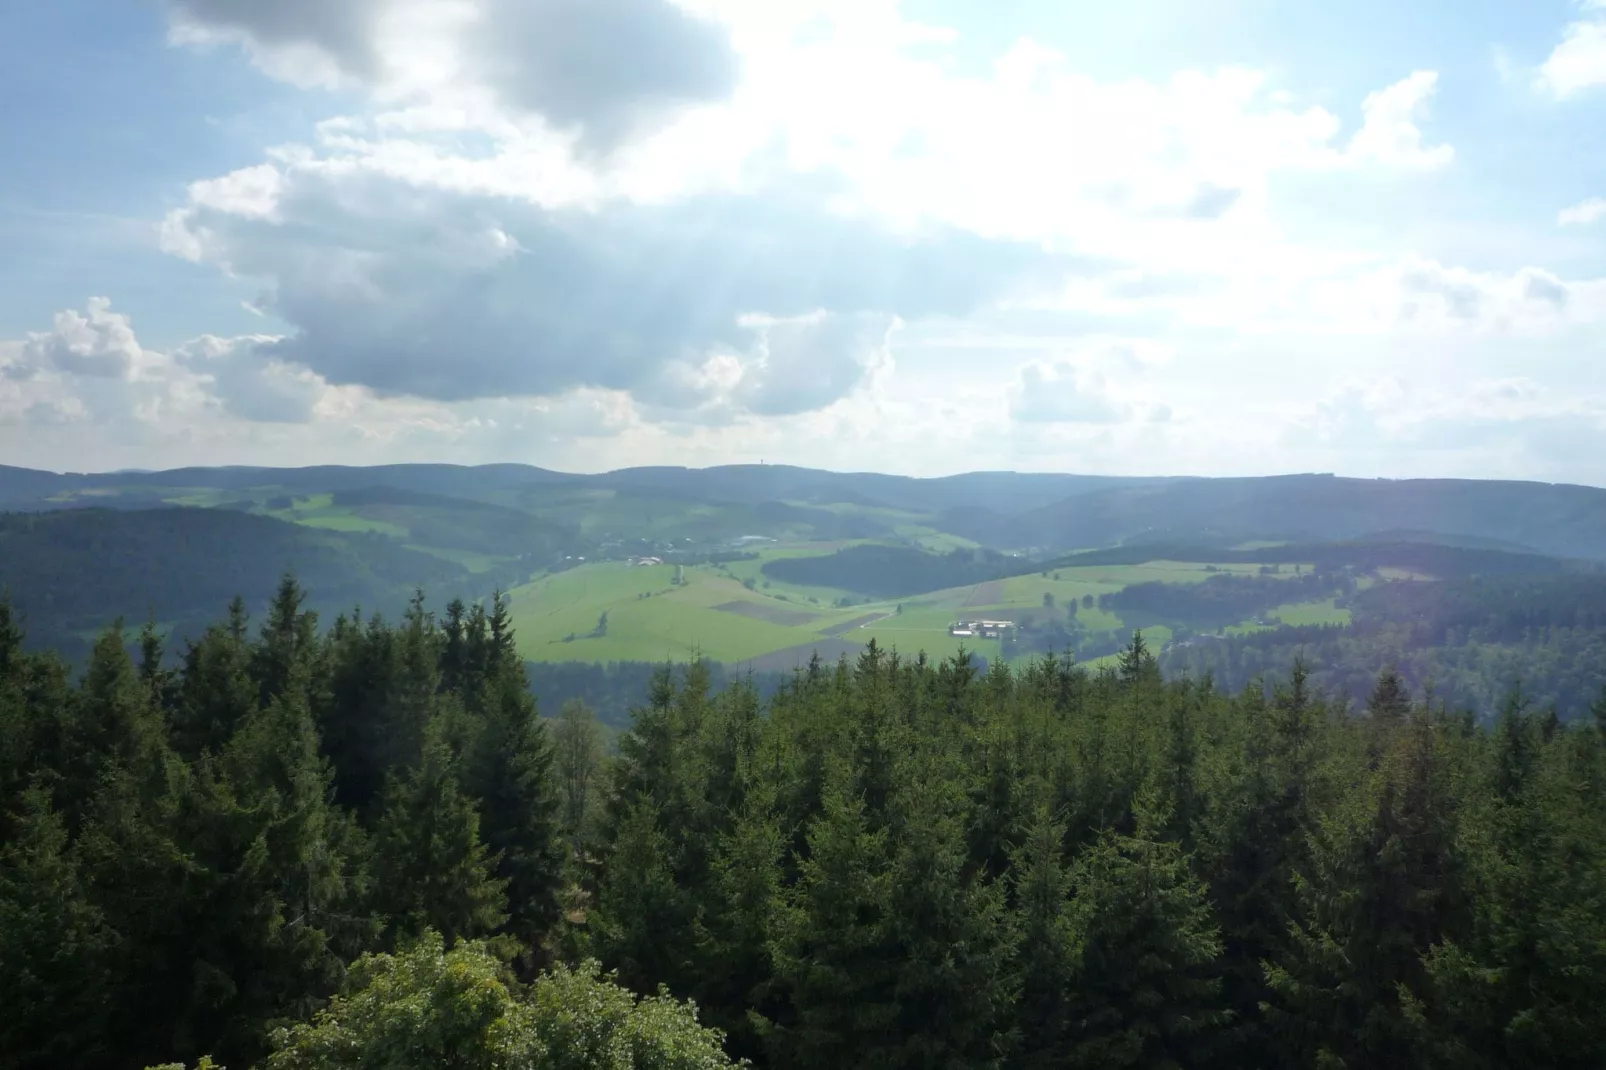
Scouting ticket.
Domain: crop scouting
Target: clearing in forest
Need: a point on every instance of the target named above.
(760, 611)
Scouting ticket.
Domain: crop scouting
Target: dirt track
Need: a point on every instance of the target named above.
(986, 594)
(772, 614)
(847, 626)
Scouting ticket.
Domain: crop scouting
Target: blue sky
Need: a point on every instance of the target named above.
(1156, 236)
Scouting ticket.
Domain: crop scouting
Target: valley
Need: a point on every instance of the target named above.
(763, 568)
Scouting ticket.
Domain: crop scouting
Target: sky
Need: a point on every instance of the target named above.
(928, 236)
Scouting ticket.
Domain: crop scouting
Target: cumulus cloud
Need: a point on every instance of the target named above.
(1530, 299)
(449, 297)
(809, 362)
(250, 384)
(231, 401)
(1390, 134)
(1583, 213)
(1508, 427)
(1062, 393)
(1578, 63)
(1211, 201)
(309, 42)
(97, 342)
(608, 67)
(442, 248)
(91, 366)
(514, 242)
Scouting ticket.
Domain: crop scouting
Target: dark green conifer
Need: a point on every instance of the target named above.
(431, 868)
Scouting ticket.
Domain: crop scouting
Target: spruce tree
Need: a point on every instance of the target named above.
(1383, 886)
(355, 712)
(1525, 985)
(279, 905)
(216, 692)
(288, 641)
(1146, 989)
(643, 921)
(1049, 952)
(736, 933)
(834, 951)
(431, 869)
(113, 726)
(577, 759)
(952, 941)
(509, 769)
(55, 945)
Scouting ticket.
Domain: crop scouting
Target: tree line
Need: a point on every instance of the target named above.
(361, 846)
(1222, 599)
(1471, 641)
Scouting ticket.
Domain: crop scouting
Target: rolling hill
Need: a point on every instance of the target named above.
(1002, 510)
(71, 572)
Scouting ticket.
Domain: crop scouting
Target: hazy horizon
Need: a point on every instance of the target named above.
(1156, 476)
(855, 235)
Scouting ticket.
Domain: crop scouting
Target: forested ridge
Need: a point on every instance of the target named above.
(359, 845)
(74, 570)
(1472, 641)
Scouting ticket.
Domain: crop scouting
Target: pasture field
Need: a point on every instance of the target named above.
(1301, 614)
(348, 521)
(651, 619)
(1395, 575)
(198, 499)
(474, 562)
(923, 625)
(1298, 614)
(777, 625)
(805, 595)
(932, 540)
(319, 511)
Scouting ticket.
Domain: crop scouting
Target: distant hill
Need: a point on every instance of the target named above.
(462, 523)
(1043, 513)
(1558, 520)
(72, 571)
(1436, 559)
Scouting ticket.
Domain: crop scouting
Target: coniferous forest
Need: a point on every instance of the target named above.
(358, 843)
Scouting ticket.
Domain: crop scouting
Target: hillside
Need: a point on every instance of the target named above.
(764, 567)
(1045, 513)
(1565, 521)
(70, 572)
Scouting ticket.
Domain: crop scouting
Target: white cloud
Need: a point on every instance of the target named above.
(439, 294)
(1509, 427)
(1583, 213)
(250, 385)
(307, 43)
(98, 342)
(603, 71)
(583, 263)
(1390, 134)
(1578, 62)
(230, 401)
(1063, 393)
(395, 244)
(810, 362)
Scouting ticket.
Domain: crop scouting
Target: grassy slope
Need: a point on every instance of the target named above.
(670, 622)
(1299, 614)
(675, 622)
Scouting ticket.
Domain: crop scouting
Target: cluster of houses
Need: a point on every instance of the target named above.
(981, 629)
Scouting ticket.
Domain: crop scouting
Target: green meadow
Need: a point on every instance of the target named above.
(649, 618)
(715, 614)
